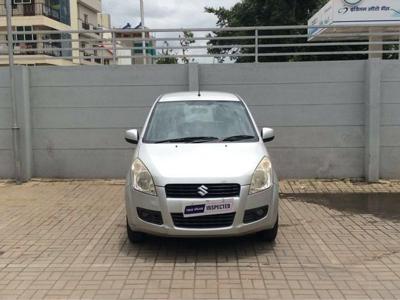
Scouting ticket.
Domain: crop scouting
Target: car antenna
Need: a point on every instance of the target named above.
(199, 92)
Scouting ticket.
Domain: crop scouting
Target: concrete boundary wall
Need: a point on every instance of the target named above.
(332, 119)
(6, 154)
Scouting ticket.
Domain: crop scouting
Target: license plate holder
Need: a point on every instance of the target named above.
(209, 207)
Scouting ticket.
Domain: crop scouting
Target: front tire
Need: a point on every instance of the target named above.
(134, 236)
(269, 235)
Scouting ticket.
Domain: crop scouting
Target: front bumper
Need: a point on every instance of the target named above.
(167, 206)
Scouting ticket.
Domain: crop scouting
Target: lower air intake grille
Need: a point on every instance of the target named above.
(215, 221)
(256, 214)
(150, 216)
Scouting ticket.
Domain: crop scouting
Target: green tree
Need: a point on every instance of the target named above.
(268, 13)
(185, 41)
(168, 56)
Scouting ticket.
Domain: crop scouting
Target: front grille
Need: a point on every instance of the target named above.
(256, 214)
(150, 216)
(214, 221)
(212, 190)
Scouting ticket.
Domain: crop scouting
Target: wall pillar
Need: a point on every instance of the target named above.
(193, 73)
(373, 119)
(22, 95)
(74, 15)
(378, 47)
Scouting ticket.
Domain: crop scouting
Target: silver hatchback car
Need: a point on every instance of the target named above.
(200, 169)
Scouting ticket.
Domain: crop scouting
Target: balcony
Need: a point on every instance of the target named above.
(37, 9)
(33, 49)
(85, 26)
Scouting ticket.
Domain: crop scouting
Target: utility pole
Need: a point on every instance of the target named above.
(143, 32)
(15, 127)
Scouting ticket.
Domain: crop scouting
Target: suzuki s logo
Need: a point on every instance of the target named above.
(202, 190)
(352, 2)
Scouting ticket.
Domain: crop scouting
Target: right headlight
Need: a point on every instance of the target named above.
(142, 180)
(262, 176)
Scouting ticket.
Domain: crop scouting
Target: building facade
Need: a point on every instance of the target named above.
(131, 41)
(54, 16)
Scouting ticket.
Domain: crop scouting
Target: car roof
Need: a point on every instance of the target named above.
(194, 96)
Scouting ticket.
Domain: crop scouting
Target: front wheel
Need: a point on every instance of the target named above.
(269, 235)
(134, 236)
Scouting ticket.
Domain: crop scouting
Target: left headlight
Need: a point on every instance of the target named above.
(262, 177)
(141, 178)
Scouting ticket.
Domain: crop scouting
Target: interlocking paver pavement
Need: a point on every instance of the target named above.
(62, 240)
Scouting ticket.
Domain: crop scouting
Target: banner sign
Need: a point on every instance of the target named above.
(354, 12)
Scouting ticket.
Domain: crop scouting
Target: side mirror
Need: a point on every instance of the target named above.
(132, 136)
(267, 134)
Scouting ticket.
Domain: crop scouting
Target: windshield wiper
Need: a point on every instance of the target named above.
(192, 139)
(237, 138)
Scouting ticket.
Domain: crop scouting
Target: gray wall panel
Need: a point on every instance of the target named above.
(48, 139)
(6, 164)
(390, 136)
(95, 117)
(5, 139)
(318, 163)
(390, 162)
(296, 72)
(318, 137)
(286, 94)
(391, 92)
(104, 96)
(390, 114)
(101, 163)
(109, 75)
(391, 71)
(4, 77)
(5, 118)
(6, 157)
(309, 115)
(390, 130)
(5, 100)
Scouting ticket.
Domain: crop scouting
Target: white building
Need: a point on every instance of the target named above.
(53, 15)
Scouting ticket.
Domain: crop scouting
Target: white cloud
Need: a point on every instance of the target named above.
(164, 13)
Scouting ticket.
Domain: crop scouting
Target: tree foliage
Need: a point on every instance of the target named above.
(168, 56)
(185, 41)
(268, 13)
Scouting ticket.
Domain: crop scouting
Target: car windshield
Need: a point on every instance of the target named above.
(200, 122)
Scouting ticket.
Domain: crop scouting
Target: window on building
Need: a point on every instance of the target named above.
(25, 41)
(22, 1)
(85, 19)
(62, 10)
(24, 37)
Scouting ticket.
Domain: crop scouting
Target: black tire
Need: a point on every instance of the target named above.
(134, 236)
(269, 235)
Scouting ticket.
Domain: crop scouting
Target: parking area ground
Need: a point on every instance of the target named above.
(337, 239)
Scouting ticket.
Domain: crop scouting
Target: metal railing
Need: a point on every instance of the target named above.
(238, 44)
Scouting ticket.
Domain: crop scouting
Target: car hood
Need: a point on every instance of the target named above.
(202, 163)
